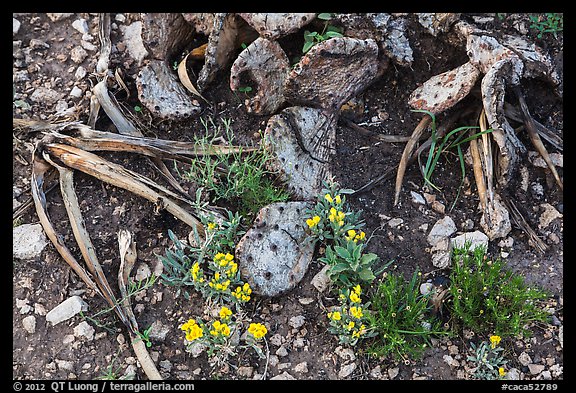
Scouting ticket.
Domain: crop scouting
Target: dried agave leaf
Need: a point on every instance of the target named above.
(111, 108)
(185, 79)
(105, 43)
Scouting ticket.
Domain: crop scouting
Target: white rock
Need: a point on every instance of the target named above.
(376, 372)
(45, 96)
(29, 324)
(276, 339)
(345, 353)
(83, 329)
(245, 371)
(301, 368)
(417, 198)
(512, 375)
(426, 288)
(142, 272)
(78, 54)
(283, 377)
(549, 215)
(196, 349)
(133, 40)
(297, 321)
(88, 46)
(66, 365)
(15, 26)
(524, 359)
(443, 228)
(76, 92)
(546, 374)
(346, 370)
(394, 222)
(561, 336)
(282, 351)
(321, 281)
(158, 331)
(80, 73)
(81, 26)
(28, 241)
(305, 300)
(120, 18)
(451, 361)
(66, 310)
(475, 238)
(393, 372)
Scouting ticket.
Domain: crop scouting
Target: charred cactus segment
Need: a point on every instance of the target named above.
(267, 65)
(276, 25)
(272, 255)
(165, 34)
(161, 92)
(438, 23)
(302, 141)
(333, 72)
(443, 91)
(202, 22)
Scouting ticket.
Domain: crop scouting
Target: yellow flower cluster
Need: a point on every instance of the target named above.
(353, 236)
(225, 313)
(211, 226)
(243, 292)
(336, 216)
(312, 222)
(355, 294)
(336, 199)
(360, 331)
(196, 272)
(257, 330)
(192, 329)
(220, 329)
(494, 341)
(219, 282)
(356, 312)
(335, 316)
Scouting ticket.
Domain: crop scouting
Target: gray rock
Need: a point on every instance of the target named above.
(496, 220)
(393, 372)
(271, 255)
(475, 238)
(426, 288)
(66, 310)
(15, 26)
(29, 324)
(442, 259)
(28, 241)
(301, 368)
(65, 365)
(245, 371)
(535, 369)
(45, 96)
(282, 351)
(524, 359)
(83, 329)
(394, 222)
(78, 54)
(133, 40)
(297, 322)
(550, 214)
(451, 361)
(276, 339)
(561, 336)
(142, 272)
(346, 354)
(417, 198)
(346, 370)
(321, 281)
(536, 160)
(158, 331)
(196, 349)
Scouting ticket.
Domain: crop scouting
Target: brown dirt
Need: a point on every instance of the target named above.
(46, 281)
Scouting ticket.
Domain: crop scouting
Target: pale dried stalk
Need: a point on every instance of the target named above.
(116, 175)
(407, 153)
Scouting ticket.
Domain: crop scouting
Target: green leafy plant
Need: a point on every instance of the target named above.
(439, 146)
(486, 297)
(112, 373)
(245, 89)
(548, 23)
(349, 320)
(240, 178)
(488, 359)
(145, 336)
(400, 316)
(311, 38)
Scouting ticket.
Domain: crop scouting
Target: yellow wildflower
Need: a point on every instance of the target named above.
(360, 236)
(337, 199)
(350, 325)
(194, 333)
(188, 325)
(356, 312)
(501, 371)
(233, 269)
(357, 289)
(328, 197)
(225, 330)
(335, 315)
(225, 312)
(354, 298)
(211, 226)
(495, 340)
(351, 234)
(257, 330)
(312, 222)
